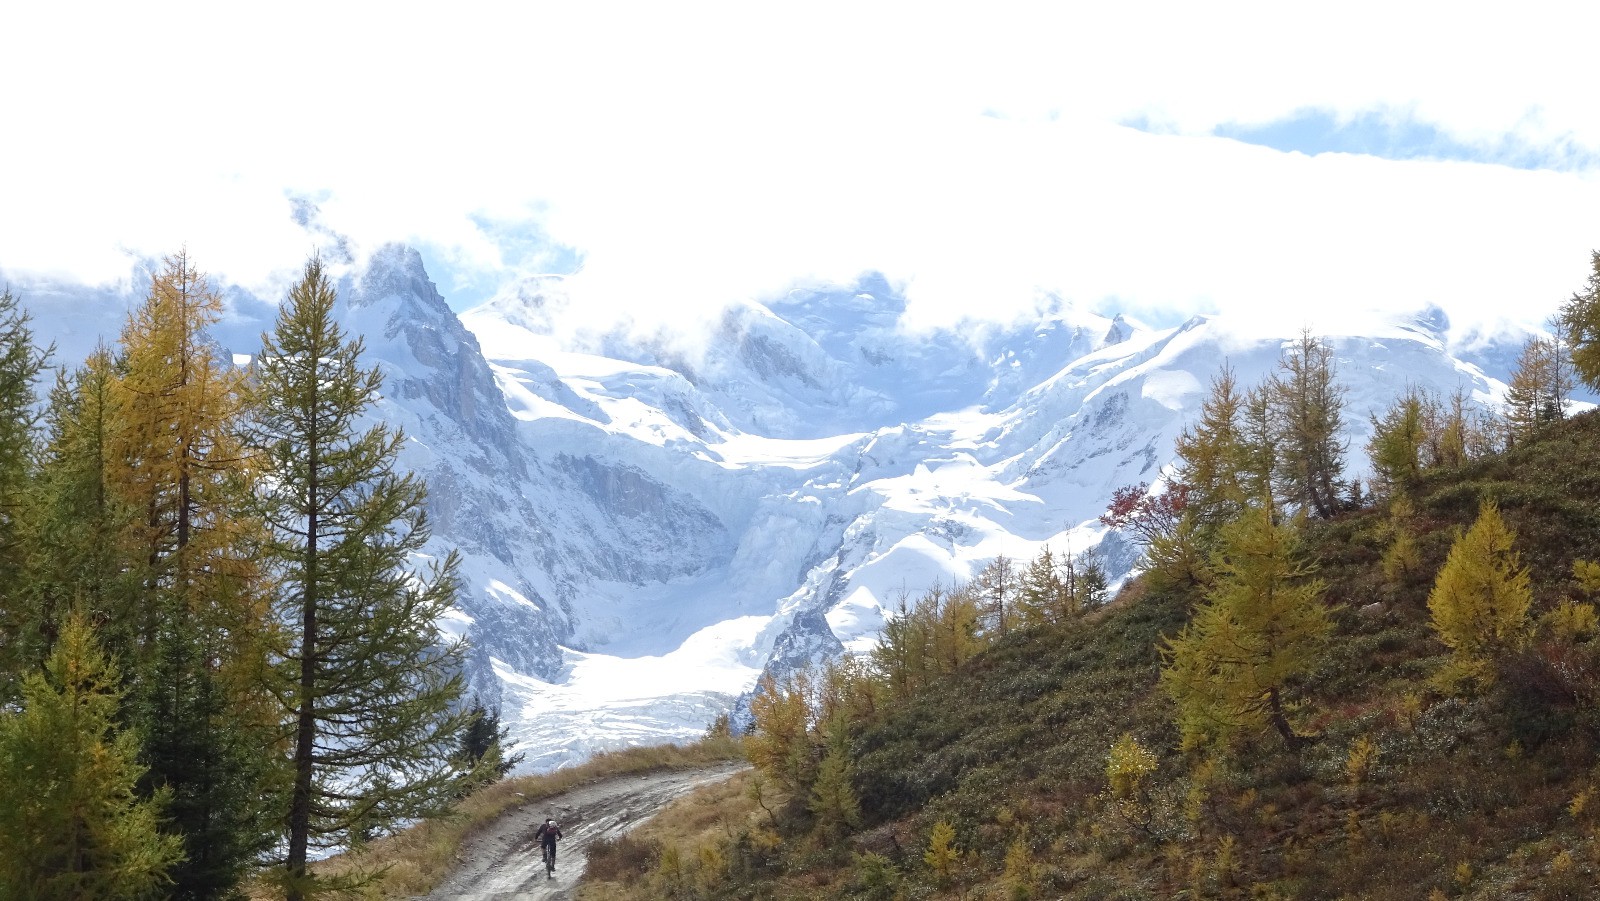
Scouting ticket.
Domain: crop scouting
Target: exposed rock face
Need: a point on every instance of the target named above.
(646, 525)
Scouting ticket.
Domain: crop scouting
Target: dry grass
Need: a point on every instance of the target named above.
(699, 829)
(412, 862)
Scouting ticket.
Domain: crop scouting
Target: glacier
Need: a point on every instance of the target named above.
(647, 522)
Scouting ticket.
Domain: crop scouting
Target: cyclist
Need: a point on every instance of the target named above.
(548, 832)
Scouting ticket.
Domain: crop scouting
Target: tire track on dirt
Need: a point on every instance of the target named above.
(502, 862)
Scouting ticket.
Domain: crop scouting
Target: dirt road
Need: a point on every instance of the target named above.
(501, 863)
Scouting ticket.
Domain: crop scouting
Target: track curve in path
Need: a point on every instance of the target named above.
(502, 862)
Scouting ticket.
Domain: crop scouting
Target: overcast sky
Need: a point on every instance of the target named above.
(1280, 159)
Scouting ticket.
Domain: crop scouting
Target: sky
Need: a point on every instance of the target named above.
(1280, 161)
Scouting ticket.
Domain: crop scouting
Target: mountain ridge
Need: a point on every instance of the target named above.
(647, 523)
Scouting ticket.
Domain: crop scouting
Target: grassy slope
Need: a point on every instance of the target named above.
(1469, 797)
(414, 861)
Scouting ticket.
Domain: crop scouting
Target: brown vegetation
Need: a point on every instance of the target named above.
(415, 860)
(1048, 763)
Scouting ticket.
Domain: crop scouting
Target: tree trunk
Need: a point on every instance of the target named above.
(306, 726)
(1279, 721)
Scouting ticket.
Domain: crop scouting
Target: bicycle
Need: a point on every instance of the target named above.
(549, 861)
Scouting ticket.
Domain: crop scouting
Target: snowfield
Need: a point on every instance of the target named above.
(649, 523)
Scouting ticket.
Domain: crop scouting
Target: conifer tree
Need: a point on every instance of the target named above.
(1262, 456)
(71, 826)
(1580, 327)
(1447, 427)
(80, 555)
(1480, 600)
(1262, 624)
(1211, 457)
(779, 743)
(903, 655)
(1396, 446)
(20, 364)
(201, 633)
(1401, 559)
(1537, 393)
(931, 638)
(1042, 593)
(996, 586)
(956, 637)
(1020, 878)
(942, 856)
(370, 685)
(1308, 403)
(1090, 582)
(833, 798)
(848, 692)
(482, 748)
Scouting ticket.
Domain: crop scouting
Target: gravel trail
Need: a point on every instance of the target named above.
(502, 863)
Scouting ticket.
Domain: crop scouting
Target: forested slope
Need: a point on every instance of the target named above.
(1051, 764)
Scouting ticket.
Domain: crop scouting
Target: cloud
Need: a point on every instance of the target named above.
(678, 158)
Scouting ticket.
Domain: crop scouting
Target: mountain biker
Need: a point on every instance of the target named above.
(549, 832)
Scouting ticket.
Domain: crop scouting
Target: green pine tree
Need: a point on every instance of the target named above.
(71, 826)
(1308, 405)
(1090, 583)
(81, 525)
(1580, 327)
(1211, 455)
(370, 687)
(1536, 396)
(903, 656)
(1262, 624)
(20, 364)
(1042, 594)
(833, 798)
(1397, 443)
(483, 749)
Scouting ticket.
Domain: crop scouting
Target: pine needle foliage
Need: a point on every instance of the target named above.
(20, 364)
(1211, 455)
(1536, 396)
(1396, 446)
(1580, 325)
(1262, 624)
(200, 633)
(82, 525)
(942, 856)
(1480, 600)
(369, 686)
(71, 826)
(1308, 404)
(833, 800)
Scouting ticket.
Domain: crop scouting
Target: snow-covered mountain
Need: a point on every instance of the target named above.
(647, 523)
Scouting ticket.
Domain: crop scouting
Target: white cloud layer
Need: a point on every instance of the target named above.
(695, 154)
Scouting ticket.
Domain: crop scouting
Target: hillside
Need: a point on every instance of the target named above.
(649, 522)
(1403, 790)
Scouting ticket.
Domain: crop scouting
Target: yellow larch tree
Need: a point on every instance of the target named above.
(1480, 600)
(200, 663)
(1262, 624)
